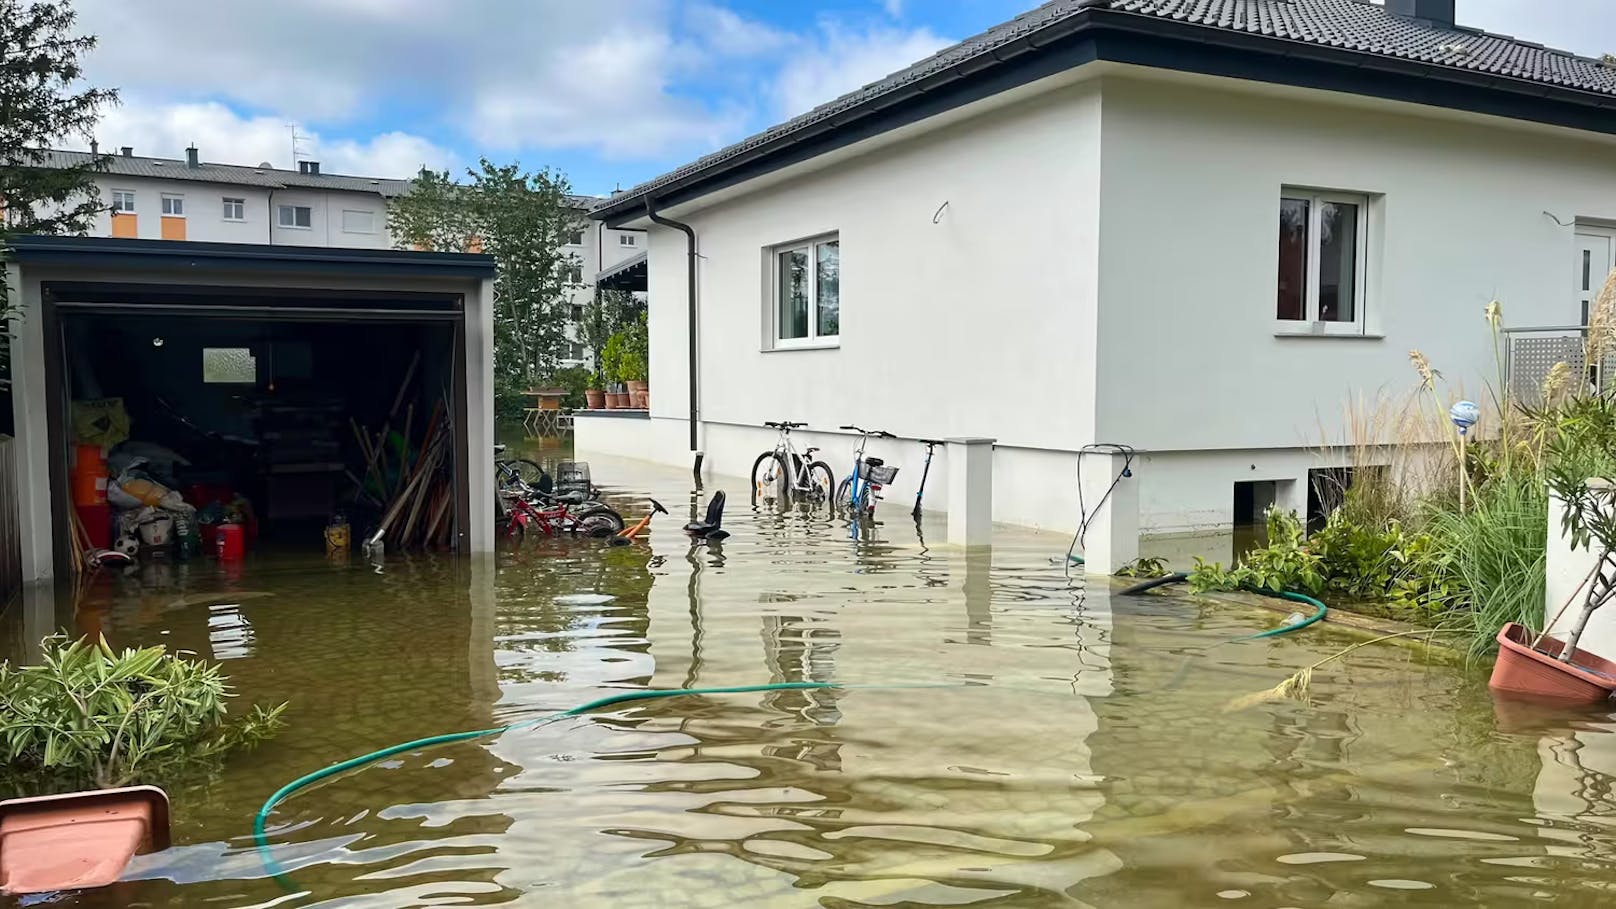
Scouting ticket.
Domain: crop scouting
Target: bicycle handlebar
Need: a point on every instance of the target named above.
(783, 424)
(878, 433)
(931, 441)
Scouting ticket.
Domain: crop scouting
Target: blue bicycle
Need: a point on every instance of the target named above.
(861, 489)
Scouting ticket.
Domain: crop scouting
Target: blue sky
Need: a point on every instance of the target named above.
(608, 91)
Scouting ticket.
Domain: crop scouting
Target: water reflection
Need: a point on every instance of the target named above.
(1082, 754)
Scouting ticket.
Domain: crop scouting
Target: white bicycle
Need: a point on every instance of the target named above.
(782, 472)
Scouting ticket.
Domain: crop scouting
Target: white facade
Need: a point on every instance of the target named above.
(597, 249)
(1094, 258)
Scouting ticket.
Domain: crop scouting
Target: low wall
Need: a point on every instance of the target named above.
(623, 433)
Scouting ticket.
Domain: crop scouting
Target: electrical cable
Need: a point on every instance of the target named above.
(1083, 516)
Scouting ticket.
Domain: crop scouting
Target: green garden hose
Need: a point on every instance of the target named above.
(260, 822)
(1178, 577)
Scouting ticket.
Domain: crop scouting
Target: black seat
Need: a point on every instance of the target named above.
(712, 527)
(873, 462)
(809, 452)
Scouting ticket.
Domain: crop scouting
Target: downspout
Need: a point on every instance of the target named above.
(690, 277)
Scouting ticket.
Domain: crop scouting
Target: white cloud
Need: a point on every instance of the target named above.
(221, 135)
(839, 59)
(894, 8)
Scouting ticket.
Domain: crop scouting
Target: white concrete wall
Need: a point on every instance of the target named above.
(204, 213)
(960, 327)
(1189, 357)
(1568, 571)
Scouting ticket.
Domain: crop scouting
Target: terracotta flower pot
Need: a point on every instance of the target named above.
(1520, 670)
(594, 398)
(610, 402)
(78, 840)
(637, 387)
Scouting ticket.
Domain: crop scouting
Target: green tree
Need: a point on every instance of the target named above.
(42, 102)
(523, 220)
(604, 316)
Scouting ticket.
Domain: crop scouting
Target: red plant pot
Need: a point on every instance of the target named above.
(594, 398)
(78, 840)
(1521, 670)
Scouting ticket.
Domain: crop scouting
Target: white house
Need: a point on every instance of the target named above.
(1193, 227)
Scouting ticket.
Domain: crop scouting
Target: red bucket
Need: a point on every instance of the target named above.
(230, 542)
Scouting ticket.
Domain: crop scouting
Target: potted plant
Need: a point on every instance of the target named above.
(634, 363)
(611, 364)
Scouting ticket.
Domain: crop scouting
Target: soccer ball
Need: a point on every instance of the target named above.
(127, 545)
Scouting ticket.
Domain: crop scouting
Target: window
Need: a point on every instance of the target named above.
(577, 237)
(358, 222)
(229, 366)
(807, 292)
(577, 351)
(123, 200)
(627, 240)
(575, 274)
(296, 216)
(577, 312)
(173, 205)
(235, 209)
(1322, 252)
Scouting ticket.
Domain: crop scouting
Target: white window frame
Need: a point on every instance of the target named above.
(577, 238)
(1311, 323)
(280, 221)
(772, 296)
(239, 204)
(357, 211)
(627, 240)
(173, 205)
(122, 195)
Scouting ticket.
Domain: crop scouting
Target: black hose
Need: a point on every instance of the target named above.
(1175, 578)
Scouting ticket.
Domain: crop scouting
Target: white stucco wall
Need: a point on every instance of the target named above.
(204, 213)
(977, 325)
(1189, 360)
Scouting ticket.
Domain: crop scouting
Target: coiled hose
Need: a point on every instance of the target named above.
(261, 820)
(1319, 609)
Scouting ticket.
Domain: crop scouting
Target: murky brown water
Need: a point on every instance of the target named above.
(1083, 759)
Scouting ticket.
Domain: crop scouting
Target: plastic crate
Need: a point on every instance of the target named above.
(572, 477)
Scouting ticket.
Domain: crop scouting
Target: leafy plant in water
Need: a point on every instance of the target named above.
(1284, 564)
(1143, 567)
(89, 715)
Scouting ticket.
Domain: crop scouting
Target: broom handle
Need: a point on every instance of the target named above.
(1567, 605)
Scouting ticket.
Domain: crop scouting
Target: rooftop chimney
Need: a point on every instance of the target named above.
(192, 157)
(128, 151)
(1436, 12)
(95, 147)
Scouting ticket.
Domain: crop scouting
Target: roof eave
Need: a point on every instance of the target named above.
(1257, 47)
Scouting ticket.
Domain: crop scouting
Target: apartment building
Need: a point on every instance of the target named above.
(602, 253)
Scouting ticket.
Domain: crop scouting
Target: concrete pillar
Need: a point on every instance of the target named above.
(1111, 537)
(970, 492)
(32, 452)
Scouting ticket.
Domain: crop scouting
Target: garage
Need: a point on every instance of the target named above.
(169, 395)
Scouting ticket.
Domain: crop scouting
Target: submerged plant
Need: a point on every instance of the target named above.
(90, 715)
(1298, 684)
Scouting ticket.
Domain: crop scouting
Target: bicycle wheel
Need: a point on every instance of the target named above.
(528, 472)
(600, 521)
(844, 495)
(770, 479)
(821, 482)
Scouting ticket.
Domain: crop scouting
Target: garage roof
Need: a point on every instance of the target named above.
(111, 252)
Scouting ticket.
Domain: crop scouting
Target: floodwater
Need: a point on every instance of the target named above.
(1071, 748)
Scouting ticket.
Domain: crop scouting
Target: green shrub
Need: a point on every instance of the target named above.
(1284, 564)
(89, 715)
(575, 379)
(611, 359)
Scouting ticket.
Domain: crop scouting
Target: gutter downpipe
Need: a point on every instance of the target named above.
(690, 276)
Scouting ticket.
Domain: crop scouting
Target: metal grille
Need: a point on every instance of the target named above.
(1531, 357)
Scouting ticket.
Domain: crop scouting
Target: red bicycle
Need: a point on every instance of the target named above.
(553, 516)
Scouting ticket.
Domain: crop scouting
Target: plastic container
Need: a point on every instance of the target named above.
(1520, 670)
(230, 542)
(89, 476)
(78, 840)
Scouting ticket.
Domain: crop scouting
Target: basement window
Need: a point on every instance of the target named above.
(1323, 245)
(229, 366)
(805, 298)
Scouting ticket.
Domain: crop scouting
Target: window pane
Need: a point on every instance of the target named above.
(232, 365)
(1293, 214)
(794, 294)
(305, 217)
(1338, 262)
(829, 288)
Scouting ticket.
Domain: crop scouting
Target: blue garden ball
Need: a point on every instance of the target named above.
(1464, 415)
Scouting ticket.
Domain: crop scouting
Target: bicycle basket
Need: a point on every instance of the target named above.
(882, 475)
(572, 477)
